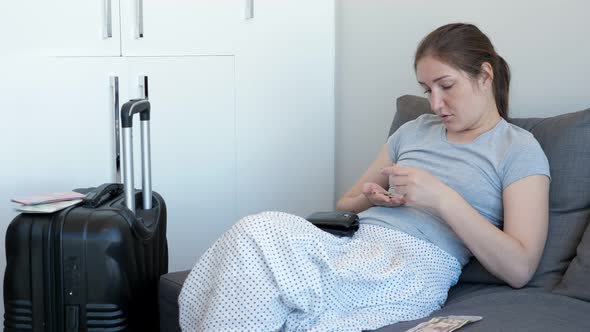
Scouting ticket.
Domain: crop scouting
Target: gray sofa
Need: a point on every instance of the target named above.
(558, 296)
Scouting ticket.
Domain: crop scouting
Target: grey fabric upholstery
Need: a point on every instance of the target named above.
(506, 309)
(170, 286)
(564, 139)
(534, 308)
(408, 108)
(575, 282)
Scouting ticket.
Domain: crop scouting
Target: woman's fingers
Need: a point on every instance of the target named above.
(379, 196)
(369, 188)
(387, 198)
(398, 200)
(399, 176)
(395, 201)
(401, 190)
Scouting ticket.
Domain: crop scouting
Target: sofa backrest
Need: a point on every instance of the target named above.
(564, 139)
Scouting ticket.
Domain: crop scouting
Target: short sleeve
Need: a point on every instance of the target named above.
(393, 144)
(405, 134)
(524, 160)
(395, 141)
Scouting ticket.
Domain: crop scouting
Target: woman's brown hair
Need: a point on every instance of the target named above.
(465, 47)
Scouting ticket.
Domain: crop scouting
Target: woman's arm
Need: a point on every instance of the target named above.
(514, 253)
(354, 200)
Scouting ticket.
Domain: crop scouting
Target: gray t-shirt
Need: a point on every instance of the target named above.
(479, 171)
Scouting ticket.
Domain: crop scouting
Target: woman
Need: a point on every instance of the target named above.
(446, 186)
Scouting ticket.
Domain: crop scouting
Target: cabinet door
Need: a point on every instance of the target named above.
(57, 123)
(193, 147)
(201, 27)
(285, 115)
(60, 27)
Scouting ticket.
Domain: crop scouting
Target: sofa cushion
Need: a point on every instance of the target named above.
(408, 108)
(576, 279)
(563, 138)
(506, 309)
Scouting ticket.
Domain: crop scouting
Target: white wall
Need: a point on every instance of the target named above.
(545, 42)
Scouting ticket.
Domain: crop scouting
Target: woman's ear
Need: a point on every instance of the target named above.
(487, 75)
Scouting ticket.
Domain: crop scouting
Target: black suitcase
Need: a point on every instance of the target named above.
(95, 266)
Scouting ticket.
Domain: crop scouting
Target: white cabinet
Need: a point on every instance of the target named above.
(55, 128)
(120, 27)
(60, 27)
(204, 27)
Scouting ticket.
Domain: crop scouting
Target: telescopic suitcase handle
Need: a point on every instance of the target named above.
(141, 106)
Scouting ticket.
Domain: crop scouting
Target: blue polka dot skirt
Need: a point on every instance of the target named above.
(275, 271)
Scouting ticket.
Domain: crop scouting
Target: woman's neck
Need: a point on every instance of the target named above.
(485, 124)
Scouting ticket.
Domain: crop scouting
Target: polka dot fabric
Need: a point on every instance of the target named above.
(275, 271)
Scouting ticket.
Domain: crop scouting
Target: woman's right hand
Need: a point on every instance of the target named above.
(381, 197)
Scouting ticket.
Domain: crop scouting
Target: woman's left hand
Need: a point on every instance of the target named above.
(419, 187)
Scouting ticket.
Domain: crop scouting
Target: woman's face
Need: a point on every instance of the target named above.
(458, 100)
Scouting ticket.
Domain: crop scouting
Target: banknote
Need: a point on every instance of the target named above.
(444, 324)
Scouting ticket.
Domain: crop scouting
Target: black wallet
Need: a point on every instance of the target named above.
(342, 223)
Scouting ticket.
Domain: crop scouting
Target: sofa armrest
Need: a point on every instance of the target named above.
(169, 290)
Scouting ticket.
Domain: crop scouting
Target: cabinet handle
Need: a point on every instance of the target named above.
(249, 9)
(114, 83)
(108, 29)
(139, 19)
(143, 85)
